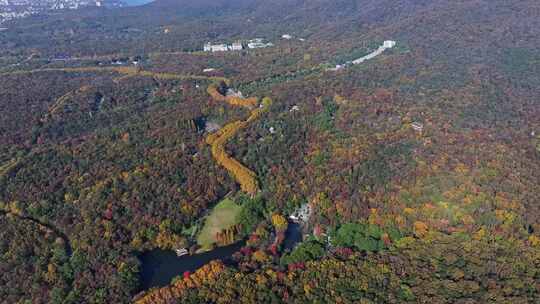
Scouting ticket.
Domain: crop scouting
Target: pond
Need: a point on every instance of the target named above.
(293, 236)
(159, 267)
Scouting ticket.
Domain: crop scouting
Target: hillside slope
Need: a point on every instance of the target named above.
(420, 167)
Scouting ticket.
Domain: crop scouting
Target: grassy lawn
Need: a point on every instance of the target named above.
(223, 216)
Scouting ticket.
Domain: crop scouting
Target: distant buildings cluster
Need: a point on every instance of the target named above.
(257, 43)
(237, 46)
(7, 14)
(15, 9)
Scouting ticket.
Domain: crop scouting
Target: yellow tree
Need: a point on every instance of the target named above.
(279, 222)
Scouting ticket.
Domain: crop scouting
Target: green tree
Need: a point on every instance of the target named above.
(306, 251)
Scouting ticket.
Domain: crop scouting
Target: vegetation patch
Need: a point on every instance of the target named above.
(364, 237)
(223, 216)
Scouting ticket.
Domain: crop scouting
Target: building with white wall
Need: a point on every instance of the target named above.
(258, 43)
(208, 47)
(220, 48)
(389, 44)
(237, 46)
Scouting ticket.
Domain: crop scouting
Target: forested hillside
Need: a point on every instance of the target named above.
(420, 168)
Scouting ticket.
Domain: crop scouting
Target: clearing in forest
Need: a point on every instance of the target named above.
(223, 216)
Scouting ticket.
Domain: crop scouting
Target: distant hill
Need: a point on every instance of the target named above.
(418, 170)
(192, 22)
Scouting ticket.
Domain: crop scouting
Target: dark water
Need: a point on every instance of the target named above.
(159, 267)
(293, 236)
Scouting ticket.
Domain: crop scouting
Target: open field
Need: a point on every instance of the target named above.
(223, 216)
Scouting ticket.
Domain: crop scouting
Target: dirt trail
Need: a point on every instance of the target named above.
(50, 227)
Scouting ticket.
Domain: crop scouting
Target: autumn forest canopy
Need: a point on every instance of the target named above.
(412, 176)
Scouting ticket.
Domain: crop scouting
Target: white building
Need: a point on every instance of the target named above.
(237, 46)
(294, 108)
(258, 43)
(208, 47)
(233, 93)
(418, 127)
(287, 36)
(336, 68)
(181, 251)
(220, 48)
(389, 44)
(302, 214)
